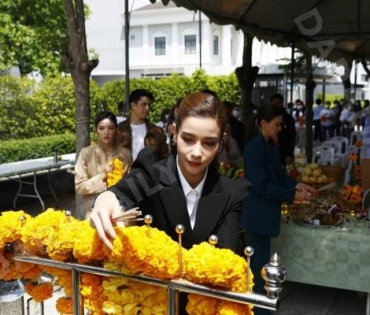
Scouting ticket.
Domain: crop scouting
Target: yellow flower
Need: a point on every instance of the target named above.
(61, 241)
(92, 290)
(88, 247)
(117, 173)
(202, 260)
(36, 231)
(154, 255)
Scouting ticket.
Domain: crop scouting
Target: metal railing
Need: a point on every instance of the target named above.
(273, 279)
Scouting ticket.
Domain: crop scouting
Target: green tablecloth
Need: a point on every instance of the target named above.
(326, 256)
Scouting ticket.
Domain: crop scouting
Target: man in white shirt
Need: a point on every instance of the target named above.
(326, 119)
(317, 108)
(133, 132)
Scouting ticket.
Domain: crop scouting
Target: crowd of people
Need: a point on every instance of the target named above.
(172, 169)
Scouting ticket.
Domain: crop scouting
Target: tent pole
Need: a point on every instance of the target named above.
(127, 69)
(292, 64)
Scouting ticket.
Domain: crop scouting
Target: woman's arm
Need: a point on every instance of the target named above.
(85, 183)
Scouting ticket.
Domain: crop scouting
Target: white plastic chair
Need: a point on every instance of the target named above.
(343, 141)
(323, 155)
(339, 157)
(352, 149)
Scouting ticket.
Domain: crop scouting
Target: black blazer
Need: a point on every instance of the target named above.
(155, 188)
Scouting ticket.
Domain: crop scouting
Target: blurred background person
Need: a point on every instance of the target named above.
(95, 162)
(286, 138)
(237, 128)
(131, 133)
(270, 187)
(326, 120)
(316, 109)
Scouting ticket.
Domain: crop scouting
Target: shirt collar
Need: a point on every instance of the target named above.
(185, 185)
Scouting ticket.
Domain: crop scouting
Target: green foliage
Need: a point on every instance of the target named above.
(18, 150)
(29, 109)
(17, 111)
(33, 35)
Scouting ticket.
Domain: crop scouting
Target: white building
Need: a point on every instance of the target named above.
(168, 39)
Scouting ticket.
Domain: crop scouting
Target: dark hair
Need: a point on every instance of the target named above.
(137, 94)
(318, 101)
(105, 115)
(203, 105)
(209, 91)
(276, 96)
(265, 112)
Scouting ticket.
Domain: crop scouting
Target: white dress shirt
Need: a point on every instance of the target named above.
(192, 195)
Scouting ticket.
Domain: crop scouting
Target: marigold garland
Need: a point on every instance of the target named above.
(36, 231)
(204, 305)
(135, 250)
(11, 226)
(40, 291)
(117, 173)
(153, 255)
(64, 305)
(91, 289)
(202, 260)
(128, 297)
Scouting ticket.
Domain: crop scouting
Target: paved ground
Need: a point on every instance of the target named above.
(296, 298)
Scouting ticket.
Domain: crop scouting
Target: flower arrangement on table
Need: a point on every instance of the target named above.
(57, 235)
(352, 191)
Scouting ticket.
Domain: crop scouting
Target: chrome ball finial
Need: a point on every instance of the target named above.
(248, 251)
(180, 229)
(274, 275)
(213, 239)
(148, 219)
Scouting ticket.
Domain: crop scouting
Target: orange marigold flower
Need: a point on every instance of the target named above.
(358, 143)
(356, 189)
(64, 305)
(353, 157)
(40, 292)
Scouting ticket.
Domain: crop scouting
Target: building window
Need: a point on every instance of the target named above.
(190, 44)
(160, 46)
(215, 45)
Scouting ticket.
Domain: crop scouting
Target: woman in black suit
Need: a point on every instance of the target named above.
(184, 188)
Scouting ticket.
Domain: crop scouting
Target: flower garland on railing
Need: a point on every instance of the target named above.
(136, 250)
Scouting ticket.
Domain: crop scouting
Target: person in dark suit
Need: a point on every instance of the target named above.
(287, 135)
(270, 187)
(185, 188)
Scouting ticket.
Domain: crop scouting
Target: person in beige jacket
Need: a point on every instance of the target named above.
(96, 161)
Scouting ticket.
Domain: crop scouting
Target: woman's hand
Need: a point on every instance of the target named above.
(304, 192)
(109, 168)
(105, 208)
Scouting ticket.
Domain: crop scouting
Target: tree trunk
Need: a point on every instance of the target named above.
(246, 75)
(77, 61)
(310, 87)
(346, 80)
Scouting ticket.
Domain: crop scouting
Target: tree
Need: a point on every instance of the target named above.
(48, 36)
(33, 33)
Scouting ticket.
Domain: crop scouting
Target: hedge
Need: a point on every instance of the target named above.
(38, 110)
